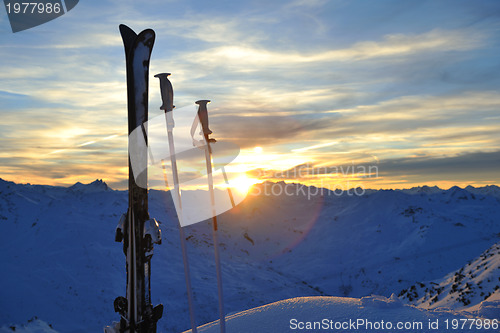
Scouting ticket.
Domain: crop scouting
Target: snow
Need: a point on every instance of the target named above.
(60, 262)
(381, 302)
(322, 313)
(465, 288)
(33, 325)
(489, 309)
(368, 314)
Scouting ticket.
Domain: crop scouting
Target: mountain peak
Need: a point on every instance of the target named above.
(422, 189)
(97, 185)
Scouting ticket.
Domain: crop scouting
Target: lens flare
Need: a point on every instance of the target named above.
(243, 183)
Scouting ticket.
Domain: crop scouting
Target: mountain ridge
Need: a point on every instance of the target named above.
(490, 189)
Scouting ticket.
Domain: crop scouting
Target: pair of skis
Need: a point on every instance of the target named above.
(136, 230)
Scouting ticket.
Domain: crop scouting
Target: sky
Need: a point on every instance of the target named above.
(376, 94)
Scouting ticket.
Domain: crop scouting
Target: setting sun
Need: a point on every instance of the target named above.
(243, 184)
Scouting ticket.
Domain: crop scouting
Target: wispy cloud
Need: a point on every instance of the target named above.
(395, 45)
(306, 3)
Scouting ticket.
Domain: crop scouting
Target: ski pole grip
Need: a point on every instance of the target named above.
(203, 116)
(167, 92)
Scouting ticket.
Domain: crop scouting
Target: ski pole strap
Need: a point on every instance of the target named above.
(196, 121)
(201, 118)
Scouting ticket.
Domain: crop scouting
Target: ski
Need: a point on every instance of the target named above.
(136, 230)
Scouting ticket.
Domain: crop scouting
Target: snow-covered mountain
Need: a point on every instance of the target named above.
(486, 190)
(60, 262)
(467, 287)
(423, 189)
(358, 245)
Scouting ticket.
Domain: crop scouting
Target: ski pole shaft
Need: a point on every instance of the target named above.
(229, 191)
(187, 273)
(215, 237)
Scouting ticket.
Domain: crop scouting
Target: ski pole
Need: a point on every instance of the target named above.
(203, 118)
(167, 95)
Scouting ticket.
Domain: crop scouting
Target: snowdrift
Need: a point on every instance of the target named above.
(368, 314)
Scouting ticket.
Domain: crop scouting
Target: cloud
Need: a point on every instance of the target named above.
(306, 3)
(417, 115)
(254, 130)
(391, 46)
(212, 29)
(87, 40)
(241, 73)
(320, 145)
(412, 132)
(411, 122)
(478, 168)
(436, 40)
(56, 156)
(431, 107)
(469, 166)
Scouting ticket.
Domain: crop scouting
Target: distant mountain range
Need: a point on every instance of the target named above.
(432, 247)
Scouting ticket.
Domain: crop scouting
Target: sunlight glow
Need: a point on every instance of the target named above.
(258, 150)
(243, 183)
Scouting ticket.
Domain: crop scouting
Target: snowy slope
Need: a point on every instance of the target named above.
(477, 281)
(368, 314)
(315, 314)
(33, 325)
(56, 245)
(60, 262)
(355, 246)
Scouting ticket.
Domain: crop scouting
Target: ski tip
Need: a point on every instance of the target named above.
(129, 36)
(126, 30)
(148, 33)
